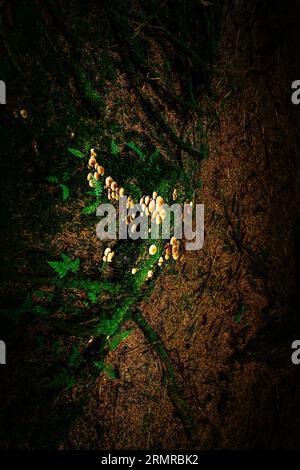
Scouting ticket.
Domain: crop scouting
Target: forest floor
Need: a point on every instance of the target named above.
(226, 314)
(224, 317)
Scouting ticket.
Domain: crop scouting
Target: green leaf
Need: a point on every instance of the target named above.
(76, 153)
(136, 150)
(63, 267)
(114, 148)
(92, 296)
(52, 179)
(65, 191)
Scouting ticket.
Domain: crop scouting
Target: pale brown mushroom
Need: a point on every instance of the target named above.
(152, 250)
(108, 181)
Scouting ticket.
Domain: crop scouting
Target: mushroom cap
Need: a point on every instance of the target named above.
(161, 260)
(175, 256)
(107, 250)
(91, 183)
(173, 241)
(150, 274)
(167, 256)
(114, 185)
(142, 200)
(134, 271)
(159, 202)
(174, 195)
(147, 212)
(93, 153)
(100, 170)
(23, 113)
(108, 181)
(92, 161)
(147, 200)
(175, 249)
(152, 249)
(96, 175)
(104, 259)
(152, 206)
(154, 195)
(144, 207)
(121, 192)
(89, 176)
(110, 256)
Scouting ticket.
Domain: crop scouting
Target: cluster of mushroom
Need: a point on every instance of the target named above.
(99, 170)
(113, 190)
(153, 207)
(108, 255)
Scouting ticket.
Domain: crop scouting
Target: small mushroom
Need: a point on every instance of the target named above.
(152, 206)
(100, 170)
(154, 195)
(24, 113)
(147, 200)
(174, 195)
(160, 261)
(96, 176)
(93, 153)
(107, 250)
(121, 192)
(173, 241)
(92, 162)
(134, 271)
(152, 250)
(159, 202)
(175, 256)
(110, 256)
(167, 256)
(104, 259)
(89, 176)
(168, 250)
(142, 200)
(150, 274)
(91, 183)
(108, 181)
(114, 186)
